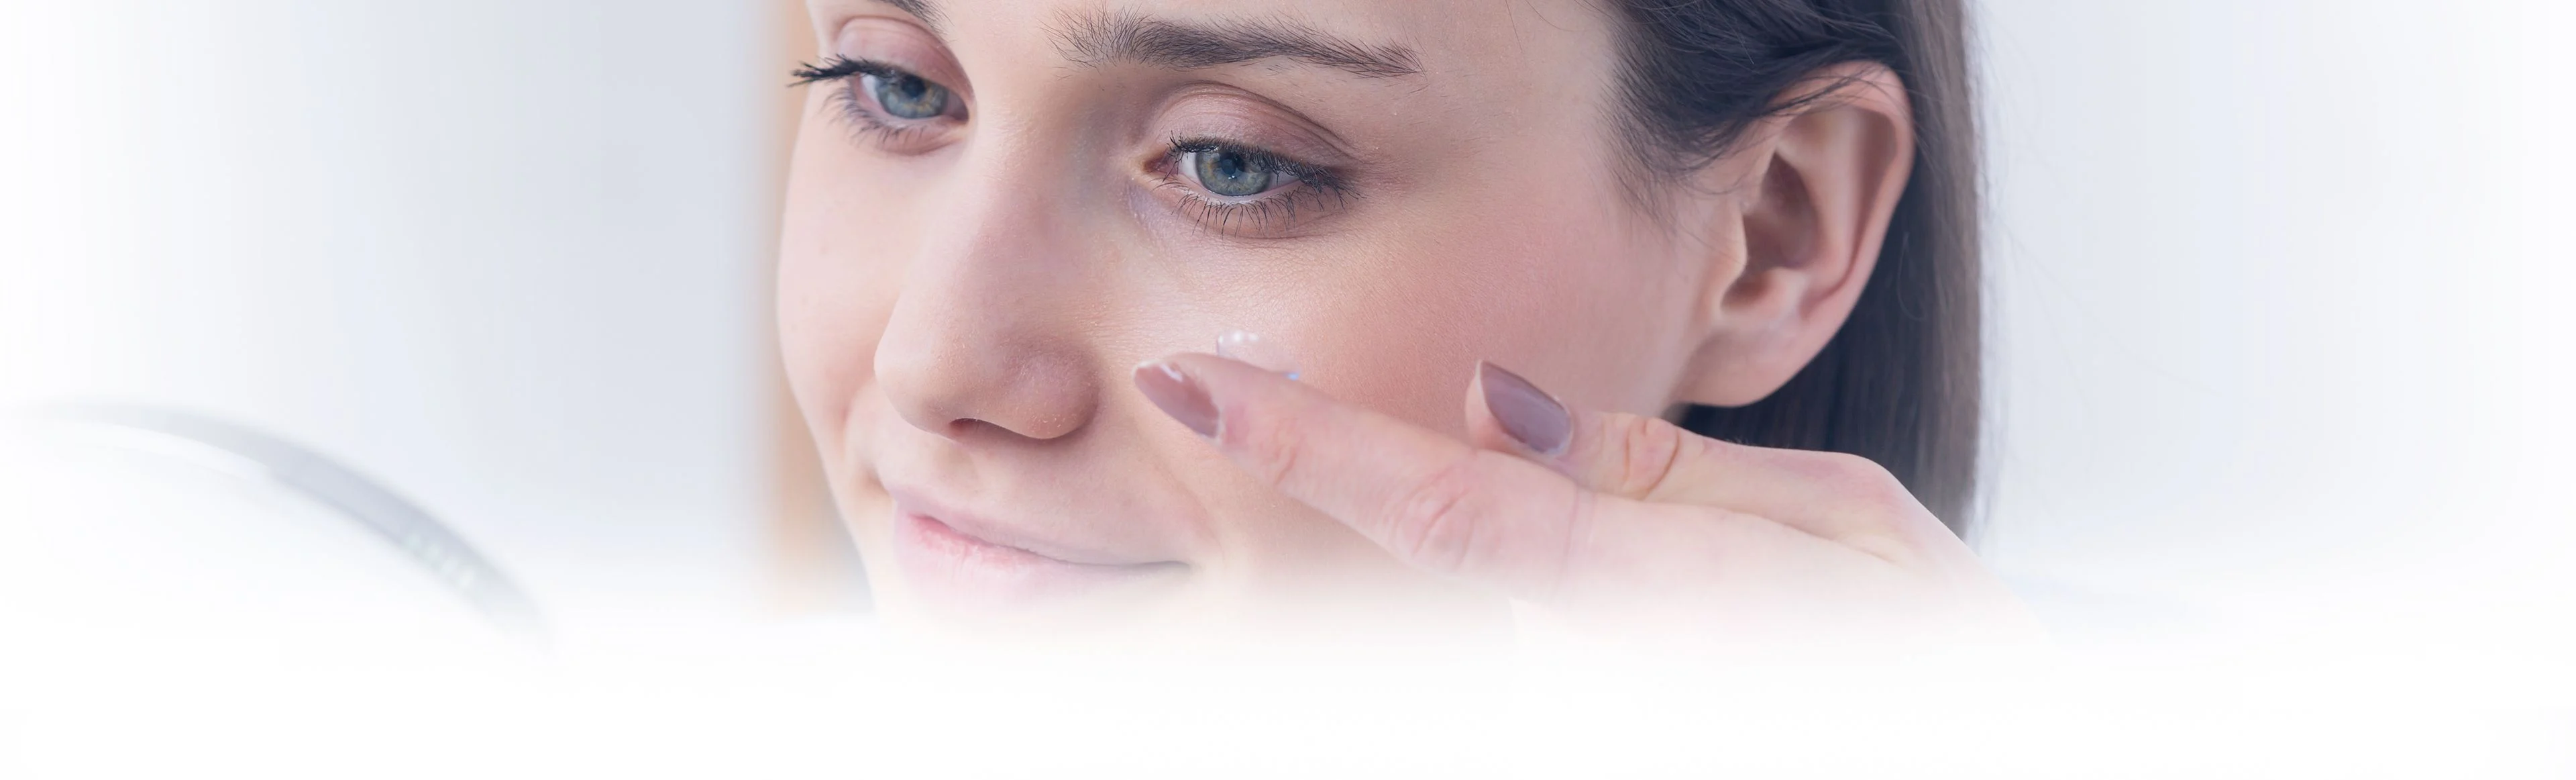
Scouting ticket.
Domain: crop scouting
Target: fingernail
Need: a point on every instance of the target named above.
(1179, 395)
(1526, 413)
(1251, 348)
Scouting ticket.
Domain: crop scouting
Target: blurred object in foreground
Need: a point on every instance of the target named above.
(508, 256)
(153, 536)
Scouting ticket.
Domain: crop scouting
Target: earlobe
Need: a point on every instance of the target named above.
(1817, 190)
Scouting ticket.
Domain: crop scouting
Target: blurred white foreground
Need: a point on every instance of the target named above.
(178, 614)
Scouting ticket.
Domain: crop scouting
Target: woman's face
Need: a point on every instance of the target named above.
(1012, 204)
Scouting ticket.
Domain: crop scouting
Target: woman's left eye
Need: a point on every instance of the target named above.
(1233, 173)
(1246, 190)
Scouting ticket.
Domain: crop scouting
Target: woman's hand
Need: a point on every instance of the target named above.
(1613, 522)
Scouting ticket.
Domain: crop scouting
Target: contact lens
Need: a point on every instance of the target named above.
(1251, 348)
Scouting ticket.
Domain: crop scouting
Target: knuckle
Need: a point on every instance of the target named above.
(1433, 523)
(1858, 479)
(1274, 449)
(1883, 511)
(1648, 449)
(1883, 495)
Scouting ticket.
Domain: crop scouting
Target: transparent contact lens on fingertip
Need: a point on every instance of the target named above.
(1251, 348)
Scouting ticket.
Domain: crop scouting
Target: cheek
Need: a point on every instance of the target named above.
(1561, 288)
(839, 272)
(1584, 306)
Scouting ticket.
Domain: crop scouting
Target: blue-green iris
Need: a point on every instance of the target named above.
(907, 96)
(1229, 173)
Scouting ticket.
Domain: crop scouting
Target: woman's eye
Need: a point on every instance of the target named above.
(906, 96)
(1243, 190)
(1232, 173)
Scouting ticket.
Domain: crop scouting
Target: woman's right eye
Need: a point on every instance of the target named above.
(906, 96)
(899, 107)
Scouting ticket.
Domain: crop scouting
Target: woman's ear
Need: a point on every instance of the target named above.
(1812, 195)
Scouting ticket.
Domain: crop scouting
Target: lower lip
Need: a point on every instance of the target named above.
(942, 564)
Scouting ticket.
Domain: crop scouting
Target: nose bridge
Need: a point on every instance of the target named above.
(985, 331)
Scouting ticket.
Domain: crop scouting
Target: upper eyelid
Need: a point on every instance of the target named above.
(901, 42)
(1237, 110)
(832, 68)
(838, 67)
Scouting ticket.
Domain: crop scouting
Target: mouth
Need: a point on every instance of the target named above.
(965, 560)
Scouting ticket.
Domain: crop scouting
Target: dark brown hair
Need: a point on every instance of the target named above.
(1900, 383)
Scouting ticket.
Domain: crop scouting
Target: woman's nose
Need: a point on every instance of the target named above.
(986, 334)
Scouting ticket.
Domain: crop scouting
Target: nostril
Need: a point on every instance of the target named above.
(969, 427)
(1037, 427)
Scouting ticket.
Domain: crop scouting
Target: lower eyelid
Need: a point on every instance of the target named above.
(1255, 214)
(857, 108)
(851, 107)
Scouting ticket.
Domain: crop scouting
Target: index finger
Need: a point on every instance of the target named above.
(1433, 501)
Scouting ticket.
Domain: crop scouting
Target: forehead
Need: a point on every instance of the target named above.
(1449, 40)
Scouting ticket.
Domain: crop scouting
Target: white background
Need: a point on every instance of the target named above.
(506, 256)
(2282, 320)
(2281, 348)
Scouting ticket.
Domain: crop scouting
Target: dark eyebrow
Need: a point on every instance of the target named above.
(1101, 37)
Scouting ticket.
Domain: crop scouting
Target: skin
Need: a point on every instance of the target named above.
(964, 306)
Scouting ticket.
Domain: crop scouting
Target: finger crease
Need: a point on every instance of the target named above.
(1672, 457)
(1578, 536)
(1426, 518)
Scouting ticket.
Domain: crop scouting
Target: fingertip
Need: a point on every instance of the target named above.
(1180, 394)
(1530, 418)
(1206, 392)
(1202, 365)
(1482, 429)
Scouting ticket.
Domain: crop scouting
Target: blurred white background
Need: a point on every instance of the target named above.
(2282, 323)
(2281, 341)
(506, 256)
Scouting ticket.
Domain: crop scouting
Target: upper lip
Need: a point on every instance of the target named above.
(981, 529)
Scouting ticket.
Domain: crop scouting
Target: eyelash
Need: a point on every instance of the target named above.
(1316, 185)
(854, 108)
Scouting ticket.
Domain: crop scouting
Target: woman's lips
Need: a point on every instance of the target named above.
(942, 560)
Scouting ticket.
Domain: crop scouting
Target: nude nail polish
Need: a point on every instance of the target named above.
(1179, 395)
(1526, 413)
